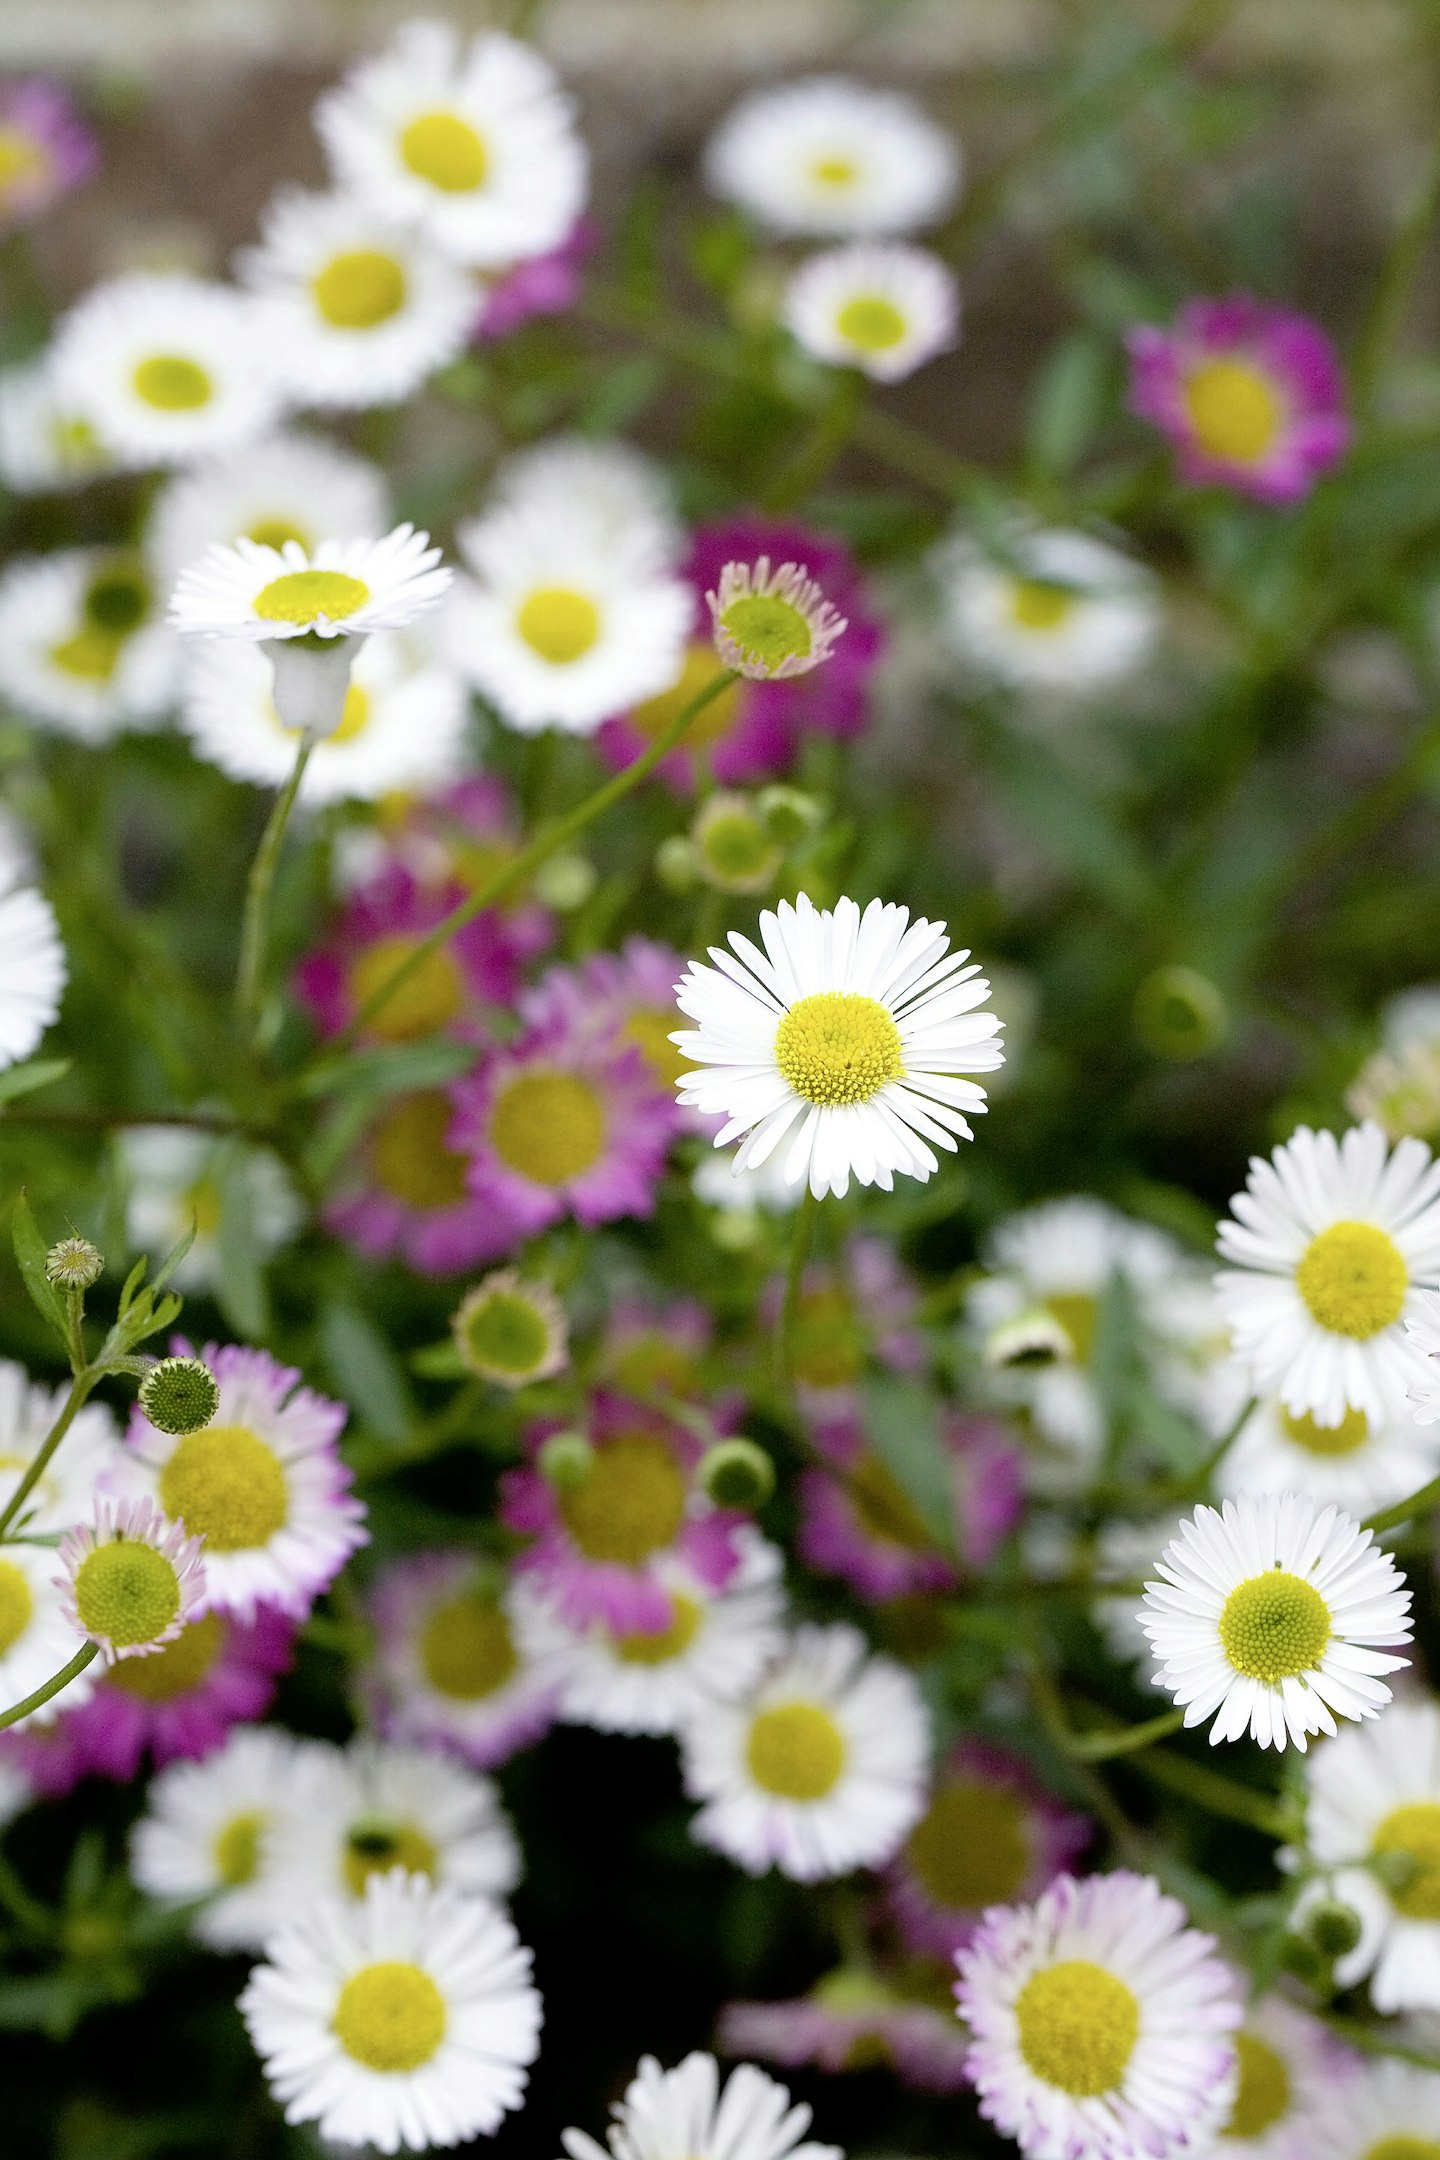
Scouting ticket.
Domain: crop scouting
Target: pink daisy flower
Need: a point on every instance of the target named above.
(595, 1545)
(46, 150)
(626, 996)
(1250, 395)
(132, 1578)
(754, 730)
(862, 1310)
(404, 1191)
(546, 284)
(855, 2020)
(380, 927)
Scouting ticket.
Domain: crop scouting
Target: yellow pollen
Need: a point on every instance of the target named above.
(467, 1650)
(871, 323)
(548, 1127)
(203, 1202)
(1415, 1831)
(305, 596)
(838, 1047)
(835, 172)
(178, 1668)
(1403, 2147)
(630, 1502)
(273, 532)
(445, 150)
(376, 1844)
(1234, 411)
(969, 1849)
(428, 999)
(1343, 1439)
(359, 290)
(1036, 604)
(1274, 1626)
(22, 159)
(796, 1751)
(668, 1643)
(390, 2017)
(1263, 2097)
(657, 713)
(1078, 2027)
(882, 1507)
(558, 624)
(90, 655)
(16, 1605)
(1353, 1278)
(829, 1349)
(172, 383)
(649, 1030)
(409, 1155)
(1079, 1314)
(226, 1484)
(236, 1848)
(126, 1592)
(768, 629)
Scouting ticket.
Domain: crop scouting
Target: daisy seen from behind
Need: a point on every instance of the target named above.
(883, 310)
(833, 158)
(684, 2114)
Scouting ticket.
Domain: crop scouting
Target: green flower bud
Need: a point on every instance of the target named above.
(179, 1395)
(1179, 1014)
(564, 1459)
(734, 850)
(74, 1264)
(675, 864)
(787, 814)
(1301, 1959)
(565, 882)
(1333, 1928)
(737, 1474)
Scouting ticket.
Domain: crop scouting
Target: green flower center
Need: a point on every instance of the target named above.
(1274, 1627)
(1343, 1439)
(467, 1650)
(16, 1605)
(1078, 1313)
(445, 150)
(737, 850)
(226, 1484)
(838, 1047)
(1262, 2098)
(178, 1668)
(558, 624)
(1037, 604)
(303, 596)
(428, 999)
(768, 630)
(548, 1127)
(1353, 1278)
(236, 1848)
(505, 1334)
(1078, 2027)
(1415, 1831)
(1233, 410)
(970, 1848)
(870, 323)
(390, 2016)
(126, 1592)
(360, 289)
(172, 383)
(796, 1751)
(409, 1157)
(376, 1844)
(668, 1643)
(629, 1504)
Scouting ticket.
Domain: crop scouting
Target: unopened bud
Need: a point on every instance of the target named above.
(737, 1474)
(1303, 1961)
(676, 864)
(1333, 1928)
(565, 882)
(179, 1395)
(734, 849)
(1180, 1014)
(787, 814)
(74, 1264)
(565, 1458)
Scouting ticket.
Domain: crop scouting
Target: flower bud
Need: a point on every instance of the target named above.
(787, 814)
(1179, 1014)
(565, 882)
(1030, 1339)
(179, 1395)
(1333, 1928)
(74, 1264)
(564, 1460)
(675, 864)
(737, 1474)
(734, 850)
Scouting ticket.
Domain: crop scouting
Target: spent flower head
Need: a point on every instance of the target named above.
(132, 1578)
(772, 624)
(179, 1395)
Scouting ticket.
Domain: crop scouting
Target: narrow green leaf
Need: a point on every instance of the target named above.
(30, 1251)
(366, 1370)
(1068, 402)
(39, 1073)
(903, 1428)
(173, 1258)
(132, 1284)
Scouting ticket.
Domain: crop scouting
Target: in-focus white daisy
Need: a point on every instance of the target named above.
(473, 140)
(856, 1025)
(356, 309)
(1061, 613)
(130, 1579)
(1267, 1619)
(821, 1768)
(885, 310)
(833, 157)
(37, 1634)
(43, 446)
(165, 369)
(177, 1180)
(1290, 2070)
(1330, 1242)
(399, 2023)
(1387, 2111)
(63, 1493)
(83, 645)
(1102, 2024)
(33, 972)
(1362, 1463)
(683, 2114)
(288, 487)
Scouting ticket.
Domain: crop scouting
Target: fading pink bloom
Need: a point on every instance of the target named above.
(853, 2020)
(546, 284)
(1250, 395)
(46, 149)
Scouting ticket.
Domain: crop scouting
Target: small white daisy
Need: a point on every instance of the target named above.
(833, 157)
(821, 1768)
(683, 2114)
(856, 1025)
(130, 1579)
(165, 369)
(622, 495)
(62, 1495)
(1290, 2071)
(33, 972)
(43, 446)
(451, 1670)
(400, 2023)
(346, 588)
(288, 487)
(356, 309)
(83, 646)
(1387, 2111)
(1330, 1243)
(176, 1181)
(1267, 1617)
(37, 1634)
(1102, 2025)
(883, 310)
(1060, 613)
(1362, 1463)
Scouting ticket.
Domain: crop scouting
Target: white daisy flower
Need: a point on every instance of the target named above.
(288, 487)
(1362, 1464)
(1290, 2070)
(884, 310)
(821, 1768)
(1102, 2024)
(400, 2023)
(856, 1025)
(83, 646)
(1124, 1553)
(1331, 1241)
(473, 141)
(356, 309)
(131, 1580)
(177, 1180)
(165, 369)
(623, 496)
(43, 446)
(33, 972)
(1387, 2111)
(63, 1493)
(683, 2114)
(1062, 613)
(763, 1190)
(1267, 1615)
(833, 157)
(37, 1634)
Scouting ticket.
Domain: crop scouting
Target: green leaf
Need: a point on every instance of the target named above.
(240, 1289)
(30, 1251)
(393, 1069)
(621, 394)
(902, 1422)
(366, 1371)
(132, 1284)
(1068, 402)
(174, 1257)
(24, 1079)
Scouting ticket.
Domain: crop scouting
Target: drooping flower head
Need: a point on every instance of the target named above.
(46, 149)
(883, 310)
(833, 157)
(750, 2118)
(132, 1580)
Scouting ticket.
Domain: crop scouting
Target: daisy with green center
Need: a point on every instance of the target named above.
(819, 1769)
(291, 486)
(1328, 1246)
(83, 646)
(1268, 1617)
(1054, 612)
(1102, 2025)
(770, 625)
(1362, 1464)
(44, 446)
(132, 1578)
(37, 1634)
(833, 157)
(1290, 2072)
(883, 310)
(402, 2022)
(841, 1044)
(511, 1331)
(176, 1181)
(1386, 2111)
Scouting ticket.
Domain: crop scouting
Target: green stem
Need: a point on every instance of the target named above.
(84, 1656)
(1219, 1795)
(1103, 1746)
(257, 893)
(1390, 302)
(800, 1237)
(25, 1910)
(80, 1387)
(1374, 2039)
(1427, 1497)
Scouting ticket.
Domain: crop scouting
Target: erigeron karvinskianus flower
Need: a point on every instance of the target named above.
(511, 1330)
(1385, 2111)
(685, 2114)
(1054, 611)
(855, 2018)
(33, 971)
(83, 646)
(290, 486)
(176, 1181)
(769, 624)
(402, 2022)
(1361, 1464)
(1270, 1616)
(831, 157)
(45, 446)
(62, 1493)
(1102, 2025)
(885, 310)
(1291, 2072)
(132, 1578)
(46, 149)
(841, 1044)
(37, 1633)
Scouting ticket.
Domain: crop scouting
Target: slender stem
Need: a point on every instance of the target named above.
(257, 892)
(1427, 1497)
(1374, 2039)
(1390, 301)
(80, 1387)
(803, 1232)
(1219, 1795)
(1102, 1746)
(84, 1656)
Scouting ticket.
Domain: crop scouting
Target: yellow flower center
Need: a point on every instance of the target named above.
(1415, 1831)
(1343, 1439)
(445, 150)
(1234, 411)
(649, 1030)
(835, 172)
(203, 1202)
(1079, 1314)
(506, 1333)
(226, 1484)
(1404, 2147)
(838, 1047)
(467, 1649)
(22, 159)
(360, 289)
(16, 1605)
(172, 383)
(883, 1508)
(273, 532)
(548, 1127)
(126, 1592)
(376, 1844)
(658, 713)
(390, 2017)
(970, 1849)
(829, 1351)
(558, 624)
(768, 629)
(428, 999)
(1353, 1278)
(736, 850)
(1263, 2096)
(1037, 604)
(409, 1157)
(668, 1643)
(871, 323)
(796, 1751)
(176, 1669)
(90, 655)
(1078, 2027)
(630, 1502)
(236, 1847)
(304, 596)
(1274, 1626)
